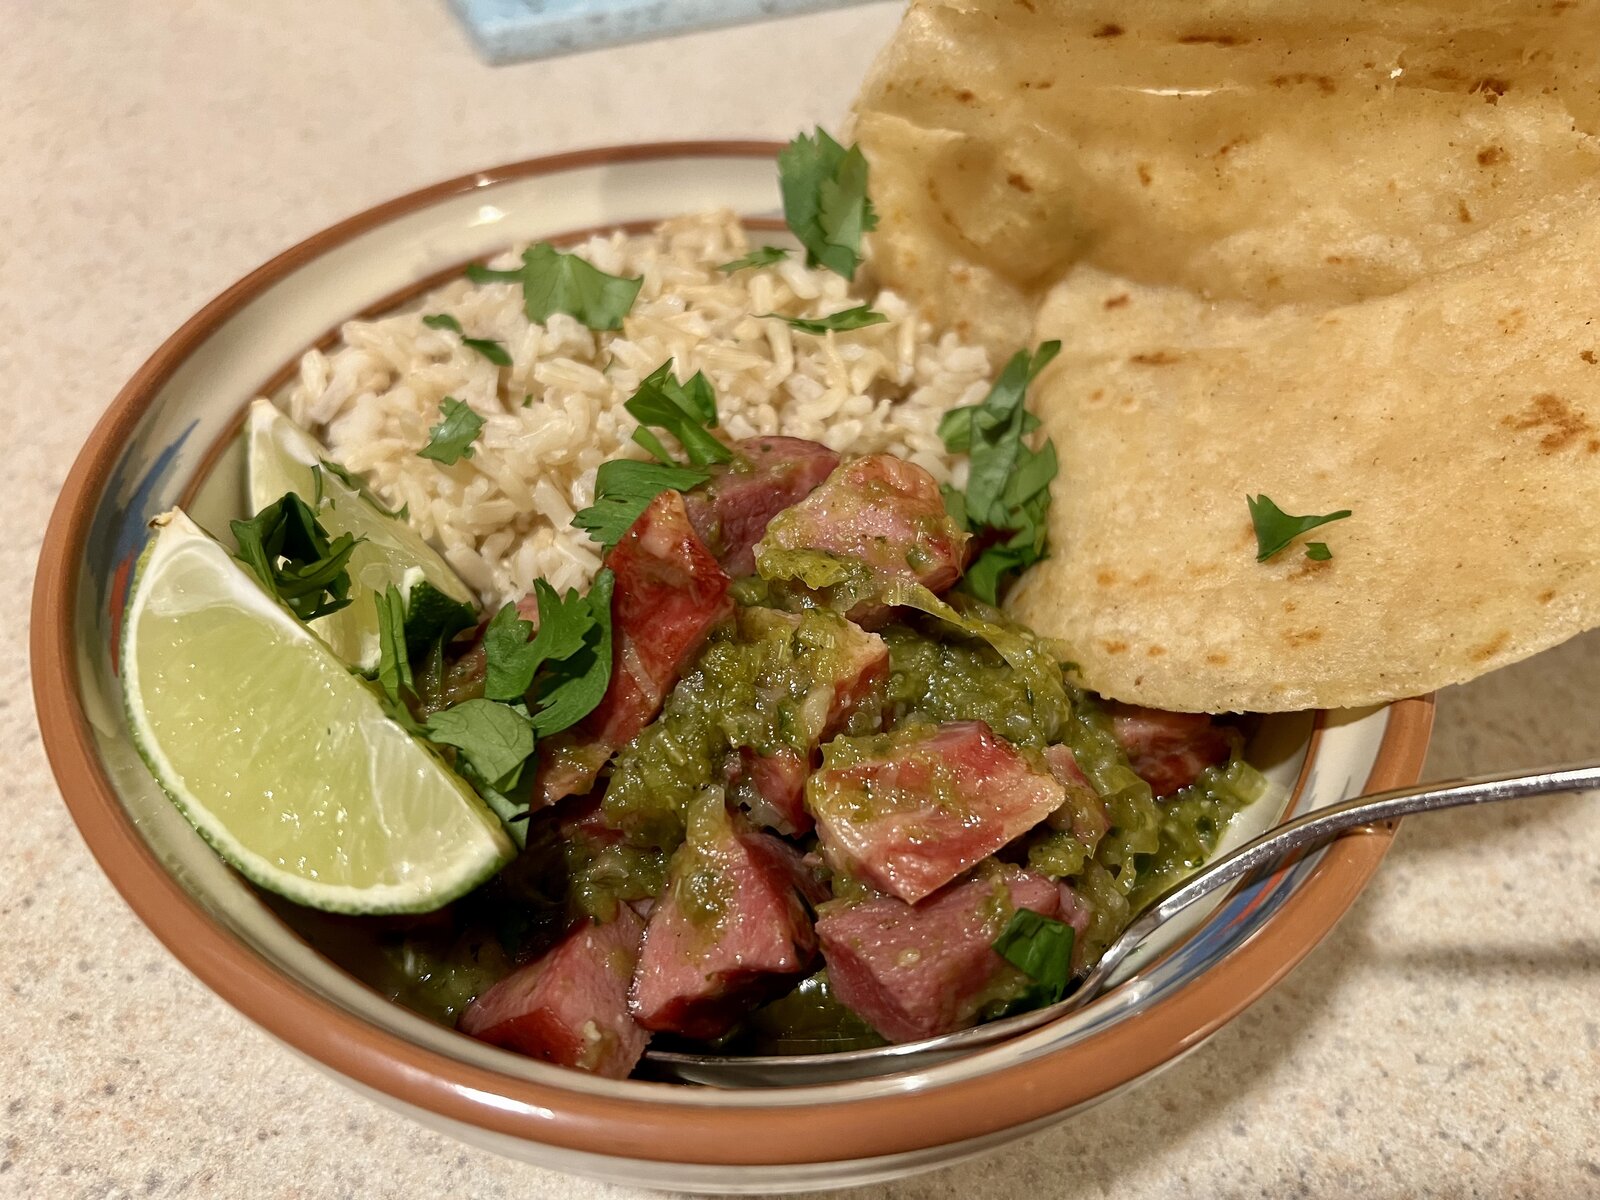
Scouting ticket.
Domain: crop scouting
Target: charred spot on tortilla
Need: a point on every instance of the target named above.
(1323, 83)
(1563, 424)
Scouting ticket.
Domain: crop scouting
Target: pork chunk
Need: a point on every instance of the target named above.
(919, 971)
(909, 811)
(732, 928)
(570, 1007)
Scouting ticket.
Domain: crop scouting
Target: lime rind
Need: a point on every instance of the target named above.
(283, 457)
(408, 834)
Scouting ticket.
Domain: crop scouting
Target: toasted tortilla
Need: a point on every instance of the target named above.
(1459, 420)
(1267, 150)
(1343, 255)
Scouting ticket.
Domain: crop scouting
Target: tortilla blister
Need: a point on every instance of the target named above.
(1340, 255)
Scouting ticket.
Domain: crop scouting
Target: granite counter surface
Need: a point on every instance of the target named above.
(1444, 1041)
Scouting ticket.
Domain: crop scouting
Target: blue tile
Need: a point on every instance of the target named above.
(511, 30)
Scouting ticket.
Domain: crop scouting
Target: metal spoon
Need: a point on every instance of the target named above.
(1267, 851)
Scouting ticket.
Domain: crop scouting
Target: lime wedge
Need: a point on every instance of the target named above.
(281, 757)
(282, 458)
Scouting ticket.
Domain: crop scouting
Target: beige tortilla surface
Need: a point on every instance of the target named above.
(1343, 254)
(1268, 150)
(1459, 420)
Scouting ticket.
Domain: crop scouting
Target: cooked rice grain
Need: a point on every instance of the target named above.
(503, 517)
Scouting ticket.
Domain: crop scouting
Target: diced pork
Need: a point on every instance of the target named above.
(918, 972)
(1083, 813)
(855, 672)
(881, 511)
(668, 594)
(731, 510)
(772, 788)
(827, 670)
(571, 1006)
(732, 928)
(1169, 750)
(909, 811)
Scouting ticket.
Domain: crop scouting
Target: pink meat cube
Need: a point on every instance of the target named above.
(1169, 750)
(571, 1006)
(1083, 813)
(669, 592)
(731, 930)
(918, 972)
(772, 788)
(730, 511)
(909, 811)
(881, 511)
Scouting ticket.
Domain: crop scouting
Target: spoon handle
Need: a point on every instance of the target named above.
(1319, 827)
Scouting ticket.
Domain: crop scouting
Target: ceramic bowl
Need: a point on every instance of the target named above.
(169, 432)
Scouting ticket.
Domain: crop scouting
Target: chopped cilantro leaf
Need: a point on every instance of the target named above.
(506, 648)
(858, 317)
(553, 282)
(955, 503)
(623, 489)
(394, 662)
(763, 256)
(1008, 482)
(1318, 551)
(290, 552)
(688, 411)
(955, 427)
(451, 439)
(1275, 529)
(495, 738)
(995, 438)
(1041, 948)
(825, 200)
(432, 616)
(577, 682)
(513, 660)
(494, 351)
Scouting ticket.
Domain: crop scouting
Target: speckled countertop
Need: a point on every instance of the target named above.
(1445, 1041)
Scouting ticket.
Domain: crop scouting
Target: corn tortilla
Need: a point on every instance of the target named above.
(1339, 254)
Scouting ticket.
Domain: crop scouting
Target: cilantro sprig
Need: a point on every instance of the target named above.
(534, 685)
(494, 351)
(859, 317)
(688, 411)
(762, 256)
(451, 439)
(291, 553)
(1276, 529)
(495, 739)
(623, 489)
(1041, 948)
(825, 200)
(562, 671)
(553, 282)
(394, 656)
(1008, 482)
